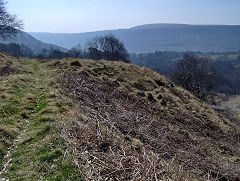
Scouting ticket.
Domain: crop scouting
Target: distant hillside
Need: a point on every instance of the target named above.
(35, 45)
(170, 37)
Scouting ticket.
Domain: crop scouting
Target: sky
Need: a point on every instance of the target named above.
(76, 16)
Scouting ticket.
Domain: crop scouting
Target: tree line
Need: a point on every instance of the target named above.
(197, 72)
(106, 47)
(17, 50)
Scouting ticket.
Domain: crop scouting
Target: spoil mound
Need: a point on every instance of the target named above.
(142, 105)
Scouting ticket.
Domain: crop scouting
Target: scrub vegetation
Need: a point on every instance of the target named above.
(80, 119)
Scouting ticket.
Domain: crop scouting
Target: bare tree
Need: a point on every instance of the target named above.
(107, 47)
(9, 24)
(75, 52)
(196, 74)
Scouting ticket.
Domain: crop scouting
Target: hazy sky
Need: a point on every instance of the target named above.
(68, 16)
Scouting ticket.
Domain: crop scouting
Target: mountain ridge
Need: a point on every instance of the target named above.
(34, 44)
(151, 37)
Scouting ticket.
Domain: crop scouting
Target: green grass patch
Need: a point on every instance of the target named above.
(49, 158)
(40, 152)
(9, 109)
(10, 122)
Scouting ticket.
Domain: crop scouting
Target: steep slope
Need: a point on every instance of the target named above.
(142, 105)
(149, 38)
(35, 45)
(87, 120)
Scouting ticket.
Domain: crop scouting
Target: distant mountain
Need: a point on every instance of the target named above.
(151, 37)
(35, 45)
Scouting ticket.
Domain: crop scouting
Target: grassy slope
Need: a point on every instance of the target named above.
(56, 126)
(29, 114)
(145, 106)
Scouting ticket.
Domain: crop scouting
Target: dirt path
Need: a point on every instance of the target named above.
(31, 145)
(229, 108)
(7, 158)
(232, 104)
(21, 94)
(223, 108)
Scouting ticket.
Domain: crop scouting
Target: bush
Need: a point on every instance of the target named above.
(107, 47)
(196, 74)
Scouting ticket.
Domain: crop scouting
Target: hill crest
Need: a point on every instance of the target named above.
(35, 45)
(152, 37)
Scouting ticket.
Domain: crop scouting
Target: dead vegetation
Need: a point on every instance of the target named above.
(105, 154)
(123, 102)
(8, 66)
(7, 70)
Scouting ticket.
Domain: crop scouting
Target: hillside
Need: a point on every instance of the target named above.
(152, 37)
(87, 120)
(35, 45)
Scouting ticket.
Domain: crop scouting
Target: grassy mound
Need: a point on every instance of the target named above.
(124, 101)
(87, 120)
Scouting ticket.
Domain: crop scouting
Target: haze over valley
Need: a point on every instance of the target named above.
(152, 37)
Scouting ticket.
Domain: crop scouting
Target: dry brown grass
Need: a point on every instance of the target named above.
(124, 101)
(104, 154)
